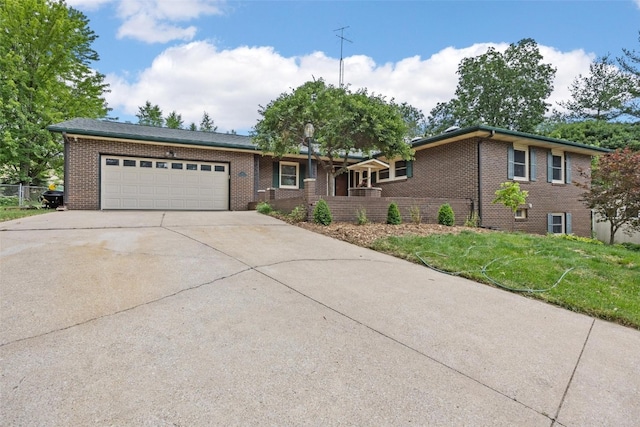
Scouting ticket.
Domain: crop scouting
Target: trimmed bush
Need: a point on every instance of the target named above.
(322, 213)
(264, 208)
(446, 215)
(393, 214)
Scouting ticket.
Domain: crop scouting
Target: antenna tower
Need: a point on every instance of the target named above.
(342, 40)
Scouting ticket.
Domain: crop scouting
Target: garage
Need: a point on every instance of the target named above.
(163, 184)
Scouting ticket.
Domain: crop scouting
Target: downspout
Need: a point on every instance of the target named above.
(479, 186)
(65, 175)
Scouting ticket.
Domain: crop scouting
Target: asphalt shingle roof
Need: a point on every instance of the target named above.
(104, 128)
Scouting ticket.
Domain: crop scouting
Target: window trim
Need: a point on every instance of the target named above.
(563, 223)
(392, 171)
(524, 214)
(297, 175)
(527, 163)
(562, 179)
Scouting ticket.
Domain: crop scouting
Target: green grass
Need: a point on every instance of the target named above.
(583, 276)
(9, 213)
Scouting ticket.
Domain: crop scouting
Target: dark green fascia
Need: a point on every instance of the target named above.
(462, 131)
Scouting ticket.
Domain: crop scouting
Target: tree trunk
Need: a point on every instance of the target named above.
(612, 232)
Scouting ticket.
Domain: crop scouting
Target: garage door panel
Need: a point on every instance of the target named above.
(141, 184)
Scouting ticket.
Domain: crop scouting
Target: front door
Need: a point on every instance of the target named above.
(342, 185)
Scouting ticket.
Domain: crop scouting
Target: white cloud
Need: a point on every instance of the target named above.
(231, 84)
(87, 4)
(155, 21)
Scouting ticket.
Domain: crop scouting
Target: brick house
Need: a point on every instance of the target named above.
(111, 165)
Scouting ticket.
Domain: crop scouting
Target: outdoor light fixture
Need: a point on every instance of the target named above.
(308, 135)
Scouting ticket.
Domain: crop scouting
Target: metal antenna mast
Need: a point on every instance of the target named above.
(342, 40)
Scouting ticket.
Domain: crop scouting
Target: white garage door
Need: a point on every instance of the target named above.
(138, 183)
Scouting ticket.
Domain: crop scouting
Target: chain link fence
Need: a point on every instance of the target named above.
(20, 195)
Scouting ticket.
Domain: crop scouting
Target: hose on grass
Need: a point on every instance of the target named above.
(483, 271)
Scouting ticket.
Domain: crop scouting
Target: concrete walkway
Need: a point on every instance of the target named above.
(235, 318)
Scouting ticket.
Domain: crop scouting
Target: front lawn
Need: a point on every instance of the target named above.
(583, 276)
(9, 213)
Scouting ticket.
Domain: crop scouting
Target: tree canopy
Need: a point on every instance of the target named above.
(46, 78)
(150, 115)
(345, 122)
(604, 94)
(207, 123)
(612, 135)
(174, 120)
(507, 90)
(630, 63)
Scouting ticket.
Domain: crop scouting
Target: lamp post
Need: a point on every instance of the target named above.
(308, 135)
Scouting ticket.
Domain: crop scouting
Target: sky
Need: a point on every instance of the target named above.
(228, 58)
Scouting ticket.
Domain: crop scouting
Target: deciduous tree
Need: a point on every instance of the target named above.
(45, 77)
(507, 90)
(614, 193)
(345, 122)
(630, 63)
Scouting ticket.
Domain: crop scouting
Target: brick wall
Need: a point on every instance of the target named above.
(445, 171)
(544, 197)
(82, 185)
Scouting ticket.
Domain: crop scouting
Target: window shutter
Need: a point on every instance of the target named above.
(567, 228)
(276, 175)
(510, 164)
(410, 169)
(567, 168)
(549, 223)
(302, 171)
(549, 167)
(533, 165)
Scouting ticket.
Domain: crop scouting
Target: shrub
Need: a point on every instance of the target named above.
(472, 220)
(393, 214)
(446, 215)
(298, 214)
(631, 246)
(416, 215)
(264, 208)
(575, 238)
(9, 201)
(322, 213)
(362, 217)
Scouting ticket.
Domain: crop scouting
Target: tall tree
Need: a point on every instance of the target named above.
(150, 115)
(602, 95)
(206, 124)
(174, 120)
(193, 126)
(344, 121)
(415, 120)
(614, 192)
(45, 78)
(630, 63)
(612, 135)
(507, 90)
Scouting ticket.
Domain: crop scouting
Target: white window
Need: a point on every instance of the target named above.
(289, 175)
(520, 163)
(398, 169)
(521, 213)
(557, 167)
(556, 223)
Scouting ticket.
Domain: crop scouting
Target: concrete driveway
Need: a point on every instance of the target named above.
(235, 318)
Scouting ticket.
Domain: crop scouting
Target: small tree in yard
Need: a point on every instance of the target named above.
(393, 214)
(511, 195)
(322, 213)
(446, 215)
(614, 193)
